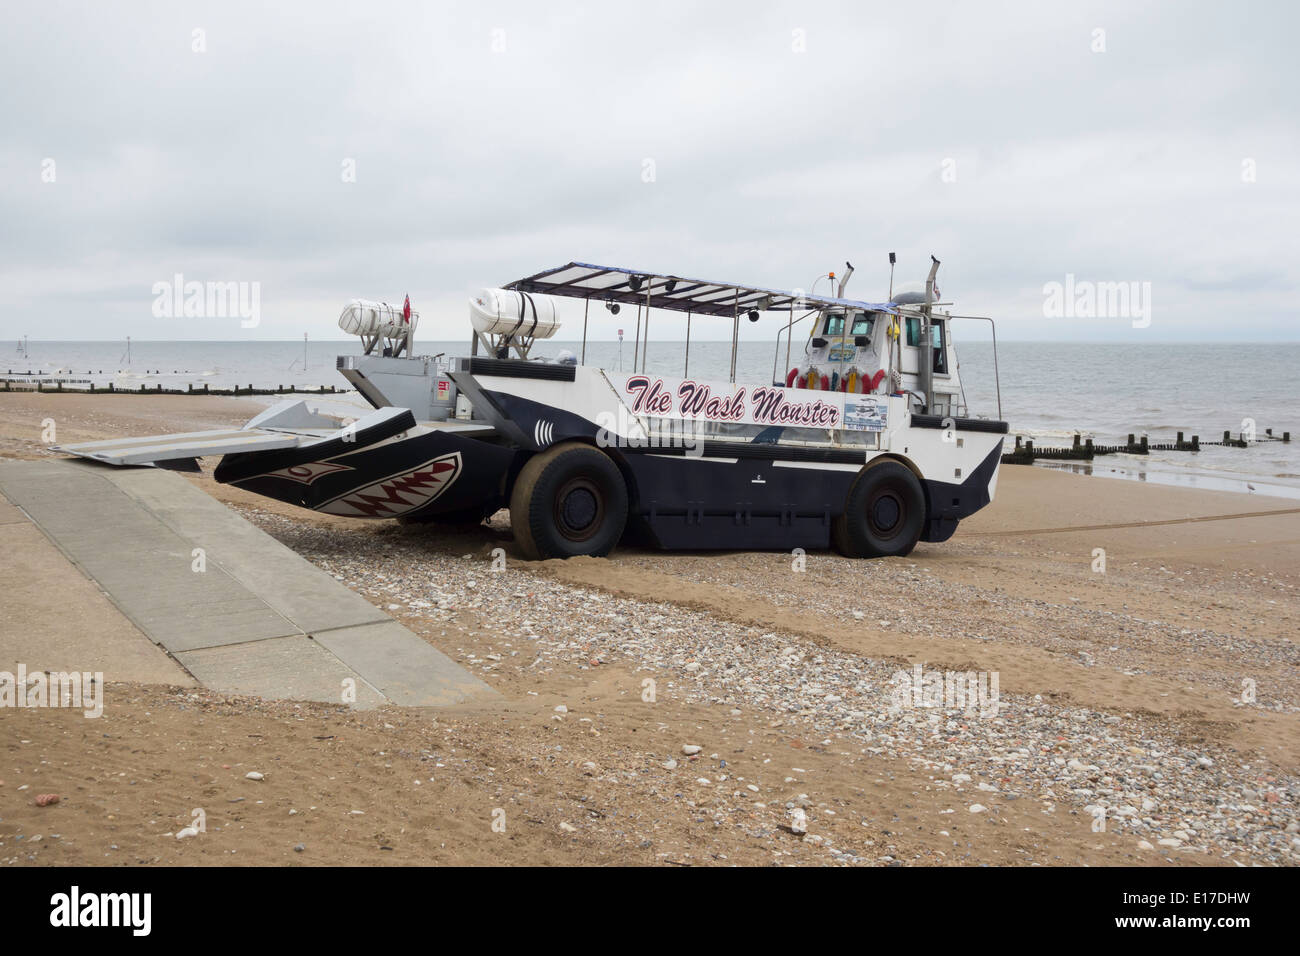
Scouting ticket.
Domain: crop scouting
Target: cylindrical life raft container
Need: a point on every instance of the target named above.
(506, 312)
(362, 317)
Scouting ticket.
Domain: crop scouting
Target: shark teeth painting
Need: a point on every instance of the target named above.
(398, 494)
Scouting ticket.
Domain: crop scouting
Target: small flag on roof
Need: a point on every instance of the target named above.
(406, 309)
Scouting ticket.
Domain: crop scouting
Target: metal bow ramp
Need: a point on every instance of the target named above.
(258, 620)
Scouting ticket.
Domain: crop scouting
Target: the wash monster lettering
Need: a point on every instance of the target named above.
(697, 401)
(771, 408)
(693, 400)
(767, 406)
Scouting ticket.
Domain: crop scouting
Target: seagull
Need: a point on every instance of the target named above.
(1250, 486)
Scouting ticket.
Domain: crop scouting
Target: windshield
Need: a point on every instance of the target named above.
(860, 325)
(834, 324)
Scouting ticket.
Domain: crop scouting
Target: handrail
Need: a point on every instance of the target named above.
(788, 326)
(997, 382)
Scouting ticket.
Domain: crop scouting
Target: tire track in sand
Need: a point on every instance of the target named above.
(1132, 524)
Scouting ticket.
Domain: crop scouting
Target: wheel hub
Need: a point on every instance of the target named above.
(885, 513)
(579, 509)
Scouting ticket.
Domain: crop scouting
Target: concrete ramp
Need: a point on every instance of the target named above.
(240, 611)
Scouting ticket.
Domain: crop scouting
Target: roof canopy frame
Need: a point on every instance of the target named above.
(697, 296)
(643, 289)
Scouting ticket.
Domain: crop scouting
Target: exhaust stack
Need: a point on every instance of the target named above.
(926, 358)
(844, 280)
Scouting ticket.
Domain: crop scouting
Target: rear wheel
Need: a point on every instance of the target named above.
(567, 501)
(883, 515)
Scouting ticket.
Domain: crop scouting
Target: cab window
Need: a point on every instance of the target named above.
(939, 347)
(834, 324)
(861, 324)
(913, 330)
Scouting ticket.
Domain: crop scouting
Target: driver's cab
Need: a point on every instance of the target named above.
(939, 352)
(938, 345)
(853, 350)
(845, 352)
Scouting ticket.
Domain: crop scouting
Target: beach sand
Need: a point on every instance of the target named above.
(1154, 701)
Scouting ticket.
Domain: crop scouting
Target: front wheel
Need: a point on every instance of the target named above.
(569, 500)
(883, 515)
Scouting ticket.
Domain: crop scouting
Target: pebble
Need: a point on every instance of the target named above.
(691, 749)
(254, 775)
(828, 693)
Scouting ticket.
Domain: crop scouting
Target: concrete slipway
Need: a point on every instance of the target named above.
(258, 620)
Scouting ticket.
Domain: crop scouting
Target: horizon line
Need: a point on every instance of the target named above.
(1004, 341)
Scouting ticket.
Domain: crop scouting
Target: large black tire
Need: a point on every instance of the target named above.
(884, 513)
(568, 500)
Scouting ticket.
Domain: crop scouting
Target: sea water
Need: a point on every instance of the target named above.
(1049, 391)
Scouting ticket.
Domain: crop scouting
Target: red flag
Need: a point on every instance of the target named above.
(406, 310)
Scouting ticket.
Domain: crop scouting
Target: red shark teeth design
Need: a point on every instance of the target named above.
(398, 494)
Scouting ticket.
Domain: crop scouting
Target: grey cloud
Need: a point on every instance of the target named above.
(475, 167)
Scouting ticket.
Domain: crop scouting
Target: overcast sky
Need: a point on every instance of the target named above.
(758, 143)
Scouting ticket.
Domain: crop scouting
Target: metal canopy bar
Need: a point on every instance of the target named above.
(689, 288)
(583, 280)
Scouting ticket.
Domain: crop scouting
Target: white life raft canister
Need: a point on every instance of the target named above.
(506, 312)
(361, 317)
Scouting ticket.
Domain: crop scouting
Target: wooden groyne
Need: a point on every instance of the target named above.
(1026, 452)
(56, 385)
